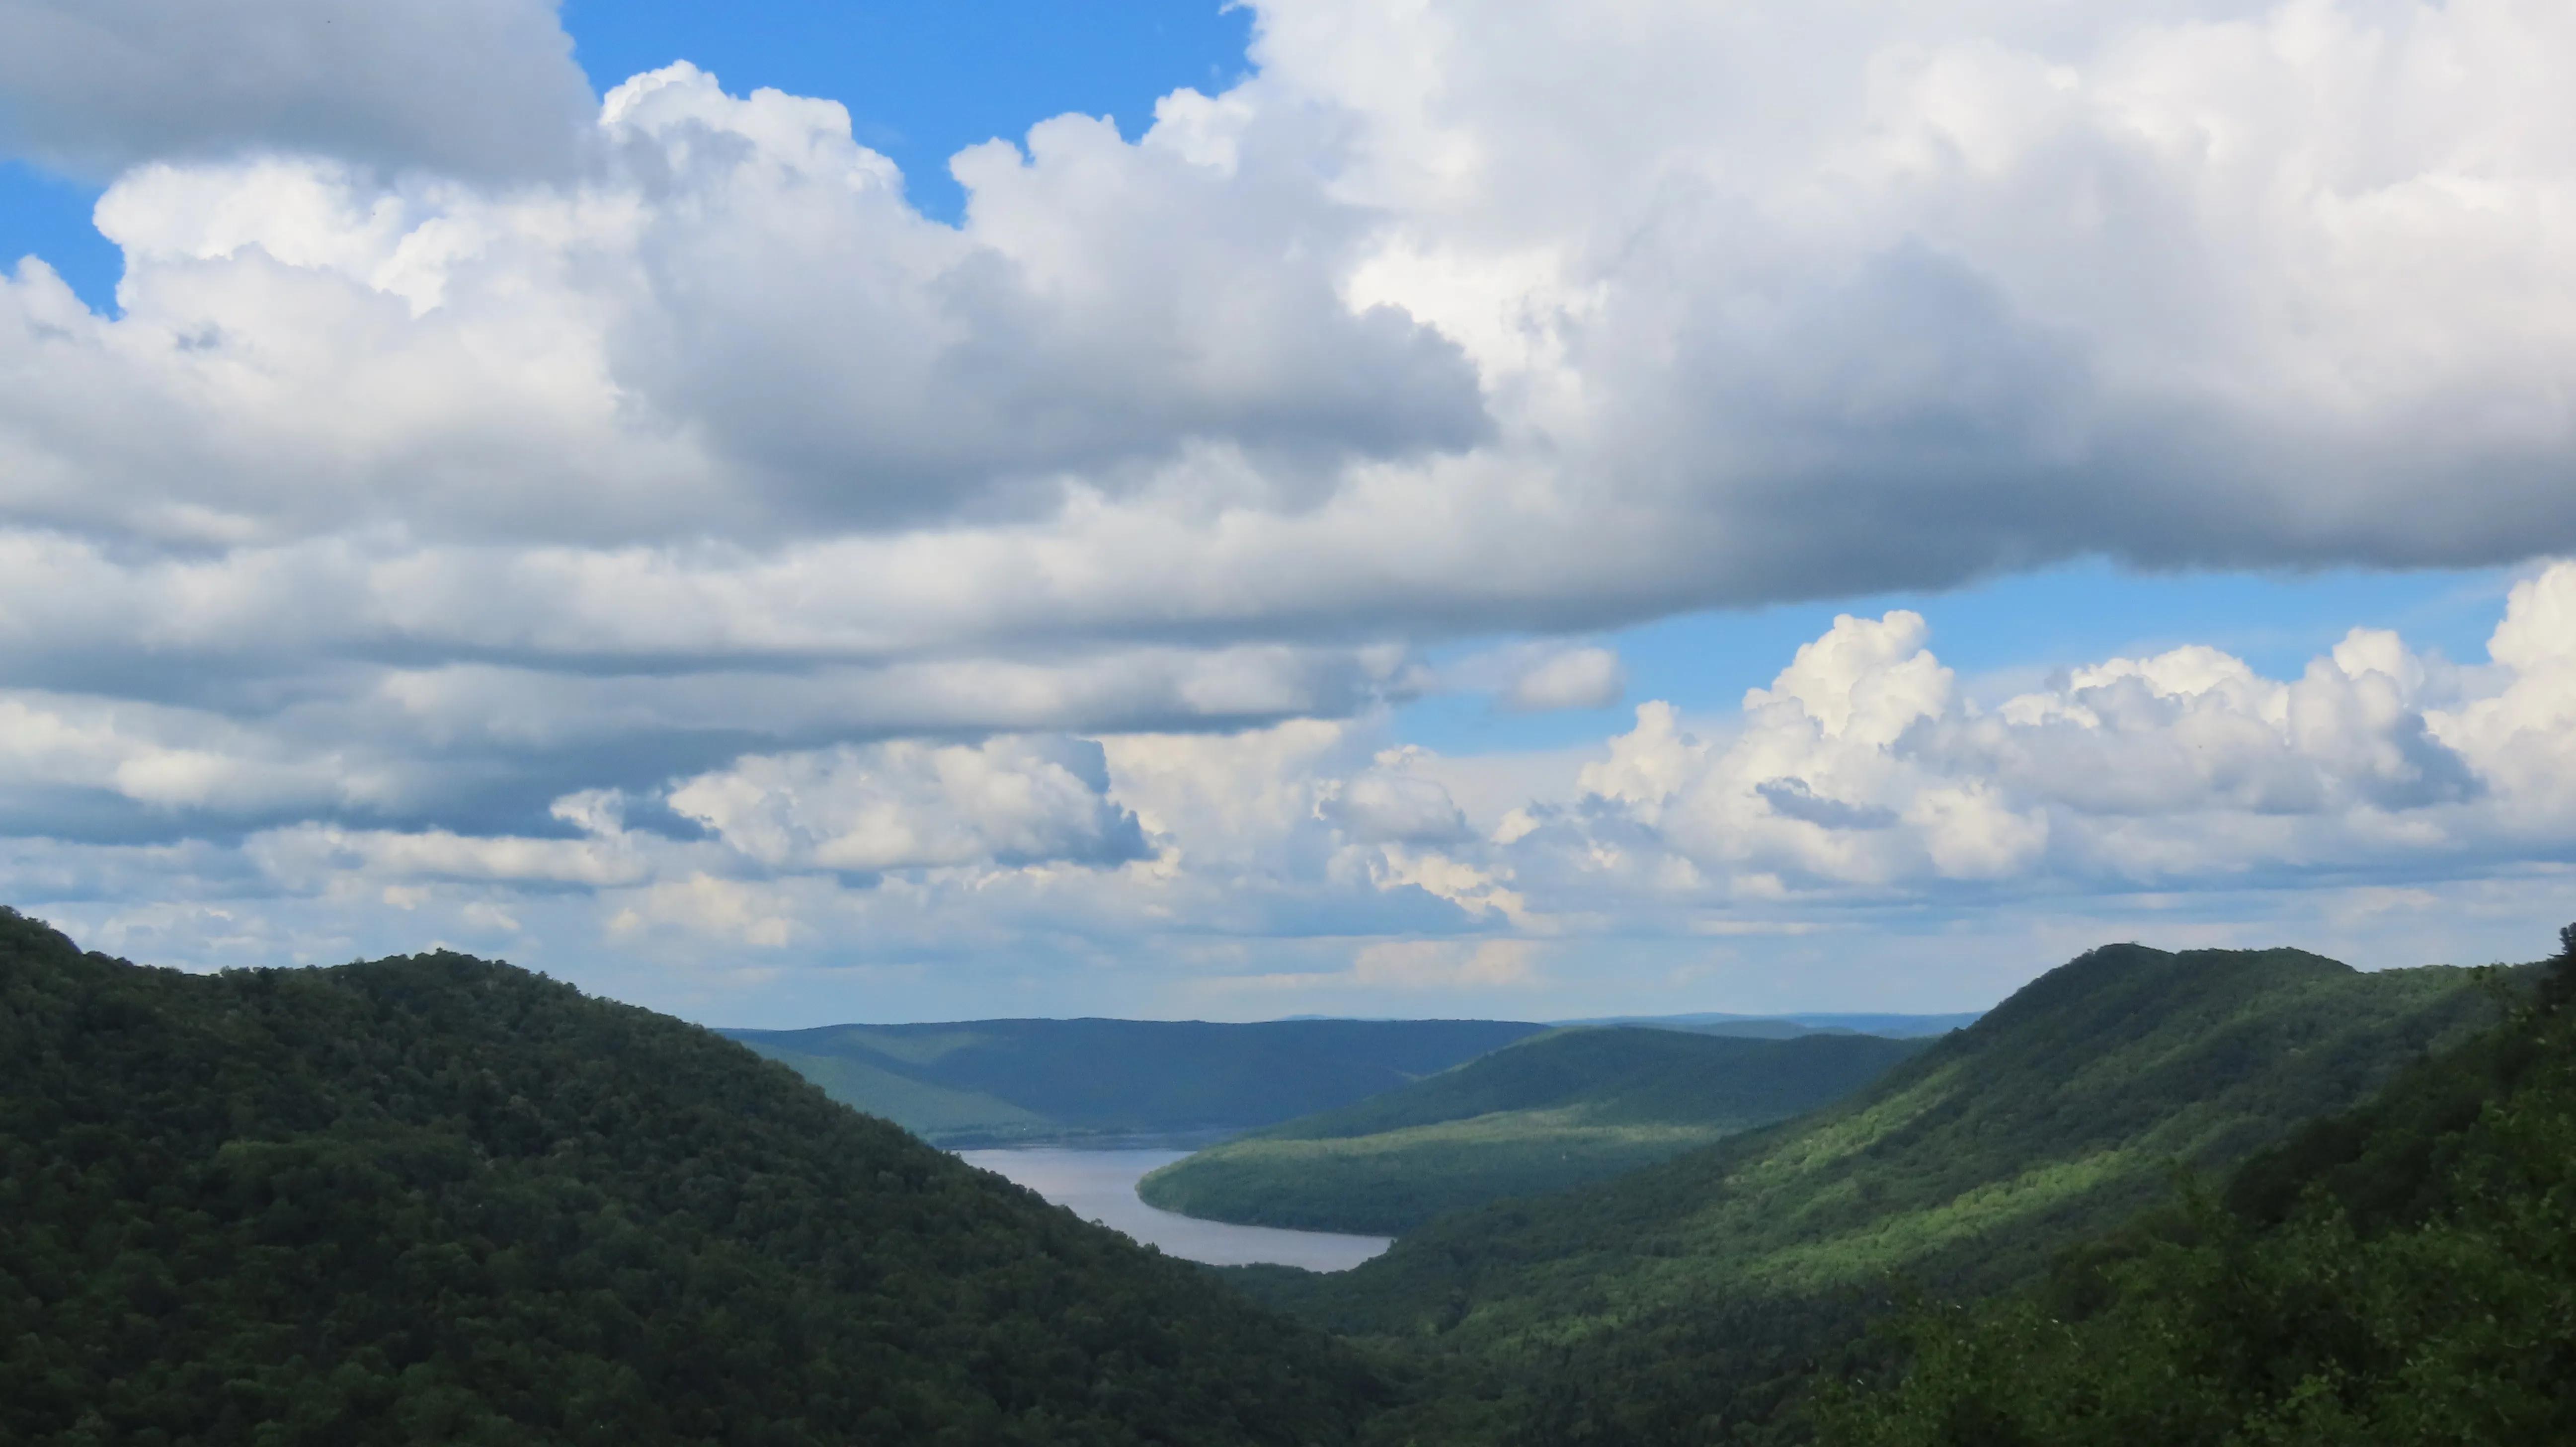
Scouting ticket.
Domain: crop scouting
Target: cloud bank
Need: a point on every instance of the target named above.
(2383, 792)
(482, 88)
(464, 444)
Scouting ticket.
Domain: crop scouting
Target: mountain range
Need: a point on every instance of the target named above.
(2198, 1197)
(971, 1083)
(998, 1082)
(1541, 1114)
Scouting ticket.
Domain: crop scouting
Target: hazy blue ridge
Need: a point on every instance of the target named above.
(1003, 1081)
(1542, 1114)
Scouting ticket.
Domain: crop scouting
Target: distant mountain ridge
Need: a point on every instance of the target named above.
(997, 1082)
(1541, 1114)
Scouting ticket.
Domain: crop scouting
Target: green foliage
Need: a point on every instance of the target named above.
(992, 1082)
(435, 1199)
(1551, 1112)
(1693, 1300)
(2404, 1273)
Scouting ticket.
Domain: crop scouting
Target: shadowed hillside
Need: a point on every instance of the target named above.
(1546, 1113)
(436, 1199)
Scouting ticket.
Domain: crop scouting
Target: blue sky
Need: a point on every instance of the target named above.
(2015, 625)
(1401, 536)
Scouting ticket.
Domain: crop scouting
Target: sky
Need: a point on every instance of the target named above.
(789, 513)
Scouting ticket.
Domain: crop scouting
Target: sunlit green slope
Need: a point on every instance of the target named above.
(1689, 1300)
(441, 1200)
(2404, 1273)
(1553, 1111)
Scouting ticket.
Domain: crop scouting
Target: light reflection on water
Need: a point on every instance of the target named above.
(1101, 1186)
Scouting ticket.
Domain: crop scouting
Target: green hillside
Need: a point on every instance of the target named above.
(2404, 1273)
(1546, 1113)
(995, 1082)
(435, 1199)
(1690, 1300)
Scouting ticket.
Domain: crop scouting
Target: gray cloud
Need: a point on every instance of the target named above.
(480, 88)
(1796, 799)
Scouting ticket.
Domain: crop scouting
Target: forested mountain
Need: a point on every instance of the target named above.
(435, 1199)
(2404, 1273)
(1543, 1114)
(1691, 1301)
(992, 1082)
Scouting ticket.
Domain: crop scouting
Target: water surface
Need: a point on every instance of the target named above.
(1101, 1186)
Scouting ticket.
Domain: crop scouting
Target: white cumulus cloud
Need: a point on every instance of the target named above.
(912, 806)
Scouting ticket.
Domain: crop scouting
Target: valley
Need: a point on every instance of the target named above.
(438, 1195)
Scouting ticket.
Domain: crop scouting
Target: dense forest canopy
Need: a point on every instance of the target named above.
(437, 1199)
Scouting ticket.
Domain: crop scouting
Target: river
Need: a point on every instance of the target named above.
(1101, 1186)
